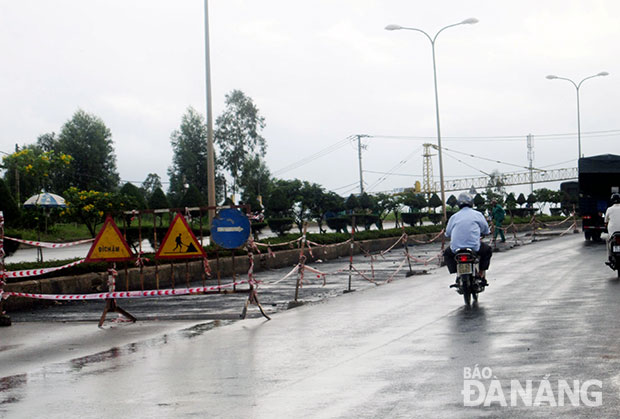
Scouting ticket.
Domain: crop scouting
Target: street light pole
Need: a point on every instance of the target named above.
(432, 40)
(577, 86)
(210, 153)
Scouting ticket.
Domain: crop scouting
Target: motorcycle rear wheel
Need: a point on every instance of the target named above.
(467, 296)
(467, 287)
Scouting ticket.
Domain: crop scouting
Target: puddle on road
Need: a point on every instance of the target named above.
(14, 388)
(10, 389)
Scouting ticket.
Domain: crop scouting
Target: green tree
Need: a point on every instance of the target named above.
(91, 207)
(281, 198)
(189, 158)
(415, 201)
(521, 199)
(531, 200)
(150, 184)
(158, 200)
(89, 142)
(386, 204)
(238, 135)
(434, 202)
(134, 192)
(8, 205)
(309, 205)
(544, 196)
(479, 201)
(367, 203)
(511, 202)
(330, 204)
(352, 203)
(255, 181)
(452, 201)
(192, 198)
(35, 168)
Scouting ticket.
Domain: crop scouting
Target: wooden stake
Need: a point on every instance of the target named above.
(110, 303)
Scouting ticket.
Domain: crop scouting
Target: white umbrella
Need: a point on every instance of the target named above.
(45, 200)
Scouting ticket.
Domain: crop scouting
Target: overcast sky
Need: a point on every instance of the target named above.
(321, 72)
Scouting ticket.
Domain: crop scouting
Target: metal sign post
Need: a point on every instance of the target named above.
(4, 319)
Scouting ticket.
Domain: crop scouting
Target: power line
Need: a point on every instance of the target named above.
(487, 159)
(401, 163)
(544, 137)
(314, 156)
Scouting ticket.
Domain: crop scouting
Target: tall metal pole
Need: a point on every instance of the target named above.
(439, 149)
(578, 124)
(443, 193)
(210, 153)
(577, 86)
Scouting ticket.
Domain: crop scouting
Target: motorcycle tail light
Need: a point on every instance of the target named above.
(618, 239)
(462, 258)
(586, 217)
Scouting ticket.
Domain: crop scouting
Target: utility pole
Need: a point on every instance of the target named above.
(19, 202)
(359, 155)
(210, 153)
(530, 157)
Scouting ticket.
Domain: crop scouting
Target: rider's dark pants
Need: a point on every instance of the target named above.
(484, 254)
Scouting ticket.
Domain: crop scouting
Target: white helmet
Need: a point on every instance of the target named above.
(465, 200)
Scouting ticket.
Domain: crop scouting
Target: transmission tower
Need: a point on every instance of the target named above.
(530, 157)
(427, 168)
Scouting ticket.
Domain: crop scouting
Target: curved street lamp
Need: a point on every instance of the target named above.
(469, 21)
(577, 86)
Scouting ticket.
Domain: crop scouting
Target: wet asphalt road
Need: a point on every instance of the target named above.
(394, 351)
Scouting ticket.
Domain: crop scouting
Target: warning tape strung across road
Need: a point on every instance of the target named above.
(37, 272)
(49, 245)
(121, 294)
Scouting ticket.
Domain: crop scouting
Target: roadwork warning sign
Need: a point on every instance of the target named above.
(109, 245)
(179, 242)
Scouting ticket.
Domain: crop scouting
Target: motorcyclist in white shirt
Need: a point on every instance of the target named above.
(612, 219)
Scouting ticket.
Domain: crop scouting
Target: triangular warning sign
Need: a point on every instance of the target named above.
(179, 242)
(109, 245)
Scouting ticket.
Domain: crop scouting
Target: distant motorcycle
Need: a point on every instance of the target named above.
(468, 282)
(614, 253)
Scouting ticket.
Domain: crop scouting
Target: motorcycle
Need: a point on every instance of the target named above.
(468, 282)
(614, 252)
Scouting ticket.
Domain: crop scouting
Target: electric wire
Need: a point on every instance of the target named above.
(318, 154)
(398, 165)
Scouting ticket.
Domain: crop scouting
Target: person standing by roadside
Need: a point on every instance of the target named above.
(498, 214)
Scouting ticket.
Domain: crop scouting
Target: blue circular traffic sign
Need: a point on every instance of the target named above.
(230, 228)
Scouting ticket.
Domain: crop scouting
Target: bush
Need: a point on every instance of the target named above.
(362, 220)
(338, 224)
(435, 218)
(280, 225)
(258, 226)
(411, 218)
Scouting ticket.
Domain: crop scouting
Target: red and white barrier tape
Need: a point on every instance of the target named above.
(49, 245)
(429, 241)
(573, 226)
(392, 246)
(278, 244)
(424, 261)
(37, 272)
(120, 294)
(558, 223)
